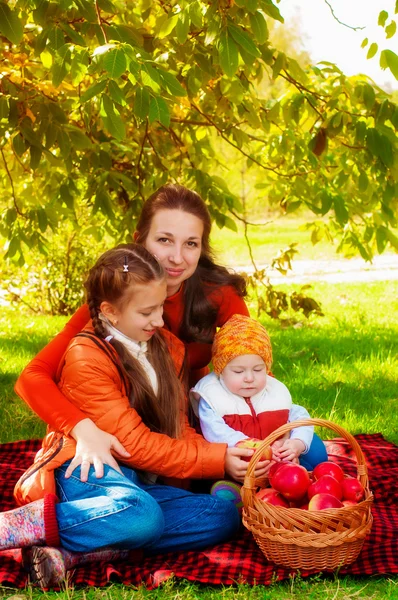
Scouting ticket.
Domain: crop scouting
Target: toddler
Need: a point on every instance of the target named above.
(242, 400)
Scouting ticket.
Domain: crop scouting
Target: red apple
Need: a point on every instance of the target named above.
(272, 497)
(323, 502)
(328, 468)
(254, 444)
(326, 485)
(274, 467)
(291, 481)
(304, 506)
(352, 489)
(349, 503)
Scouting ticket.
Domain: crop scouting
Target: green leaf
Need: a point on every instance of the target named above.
(56, 39)
(35, 156)
(369, 96)
(141, 103)
(150, 77)
(10, 25)
(79, 139)
(182, 27)
(172, 84)
(381, 239)
(364, 43)
(116, 93)
(195, 13)
(271, 10)
(228, 53)
(103, 203)
(63, 143)
(159, 111)
(362, 182)
(372, 50)
(115, 62)
(29, 134)
(383, 16)
(93, 90)
(243, 39)
(14, 247)
(391, 60)
(124, 33)
(4, 108)
(74, 35)
(57, 112)
(61, 65)
(259, 26)
(340, 210)
(113, 120)
(279, 64)
(42, 219)
(19, 144)
(391, 29)
(168, 26)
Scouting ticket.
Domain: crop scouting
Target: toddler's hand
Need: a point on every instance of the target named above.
(288, 450)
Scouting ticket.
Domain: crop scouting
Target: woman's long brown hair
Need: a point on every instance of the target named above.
(199, 314)
(108, 281)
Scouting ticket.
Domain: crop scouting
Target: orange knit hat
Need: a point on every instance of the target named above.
(240, 335)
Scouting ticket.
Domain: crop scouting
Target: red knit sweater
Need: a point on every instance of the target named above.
(36, 384)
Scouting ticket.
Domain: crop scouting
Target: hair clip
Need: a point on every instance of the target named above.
(126, 265)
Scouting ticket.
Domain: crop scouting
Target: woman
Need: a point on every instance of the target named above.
(175, 227)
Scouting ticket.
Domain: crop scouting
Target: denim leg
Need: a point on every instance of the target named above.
(192, 521)
(315, 455)
(109, 512)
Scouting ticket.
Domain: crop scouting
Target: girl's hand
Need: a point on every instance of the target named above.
(94, 447)
(289, 450)
(236, 465)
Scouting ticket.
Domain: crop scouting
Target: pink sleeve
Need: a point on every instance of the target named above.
(36, 384)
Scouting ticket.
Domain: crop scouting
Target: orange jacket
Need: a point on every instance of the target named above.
(90, 379)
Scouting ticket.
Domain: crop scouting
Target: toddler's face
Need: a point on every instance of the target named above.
(245, 375)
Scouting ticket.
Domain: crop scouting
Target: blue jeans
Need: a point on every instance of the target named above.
(315, 455)
(120, 511)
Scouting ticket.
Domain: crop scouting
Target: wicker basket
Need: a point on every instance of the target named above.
(301, 539)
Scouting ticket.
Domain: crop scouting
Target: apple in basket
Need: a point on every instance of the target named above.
(253, 443)
(349, 503)
(326, 485)
(291, 481)
(352, 489)
(328, 468)
(272, 497)
(323, 502)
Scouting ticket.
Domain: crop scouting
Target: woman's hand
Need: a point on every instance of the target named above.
(288, 450)
(236, 465)
(94, 447)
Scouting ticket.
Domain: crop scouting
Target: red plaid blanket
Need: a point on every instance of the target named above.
(239, 560)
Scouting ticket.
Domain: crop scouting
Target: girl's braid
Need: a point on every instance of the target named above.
(99, 329)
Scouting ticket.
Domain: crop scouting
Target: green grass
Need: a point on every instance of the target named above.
(342, 366)
(231, 247)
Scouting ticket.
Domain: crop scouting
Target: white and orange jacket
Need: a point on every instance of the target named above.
(226, 417)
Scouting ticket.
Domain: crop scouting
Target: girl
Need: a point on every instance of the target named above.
(122, 372)
(175, 227)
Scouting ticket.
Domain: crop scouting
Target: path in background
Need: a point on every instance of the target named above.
(383, 268)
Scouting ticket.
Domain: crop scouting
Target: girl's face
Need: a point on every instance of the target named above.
(245, 375)
(175, 239)
(142, 315)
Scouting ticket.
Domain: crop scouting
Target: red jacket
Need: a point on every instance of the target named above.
(36, 384)
(90, 380)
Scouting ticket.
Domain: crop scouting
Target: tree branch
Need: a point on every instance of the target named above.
(338, 20)
(21, 214)
(247, 222)
(97, 10)
(139, 160)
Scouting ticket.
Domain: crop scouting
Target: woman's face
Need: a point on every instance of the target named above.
(175, 239)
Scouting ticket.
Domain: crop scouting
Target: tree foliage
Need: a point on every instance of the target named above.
(102, 101)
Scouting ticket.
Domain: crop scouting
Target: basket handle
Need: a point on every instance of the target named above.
(362, 471)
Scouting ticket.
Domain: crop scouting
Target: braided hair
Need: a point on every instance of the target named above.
(110, 281)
